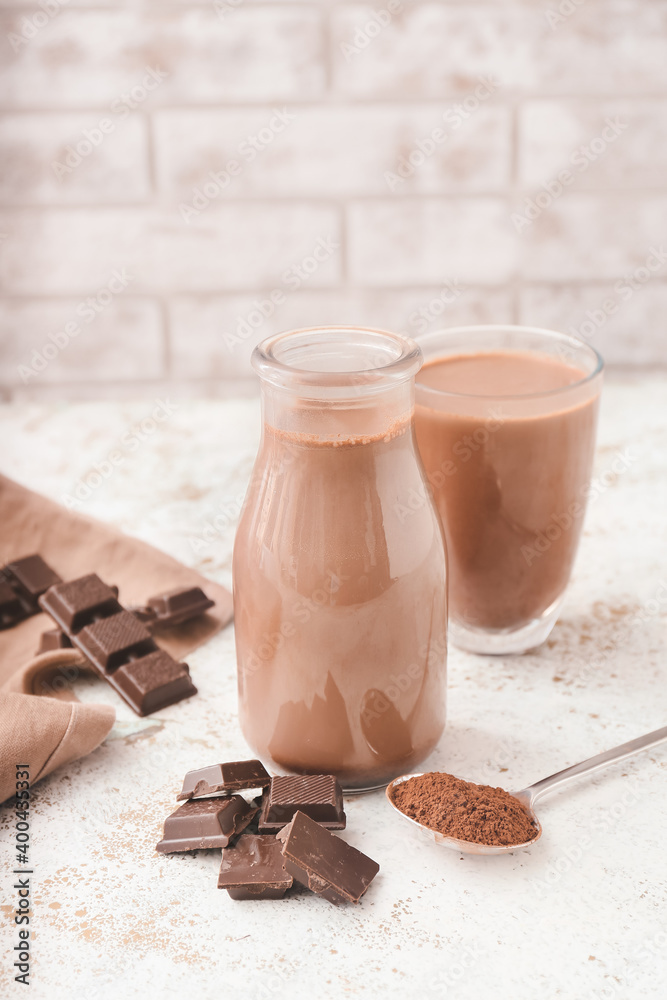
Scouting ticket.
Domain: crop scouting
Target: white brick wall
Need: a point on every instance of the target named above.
(424, 144)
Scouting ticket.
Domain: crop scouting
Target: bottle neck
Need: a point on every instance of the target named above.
(359, 415)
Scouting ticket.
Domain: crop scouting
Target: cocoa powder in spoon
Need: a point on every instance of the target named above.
(479, 814)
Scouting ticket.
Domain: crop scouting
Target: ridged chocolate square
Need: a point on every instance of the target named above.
(254, 868)
(77, 603)
(111, 641)
(319, 796)
(153, 682)
(204, 823)
(179, 605)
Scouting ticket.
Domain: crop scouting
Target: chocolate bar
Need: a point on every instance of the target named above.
(230, 777)
(173, 607)
(325, 863)
(21, 584)
(319, 796)
(254, 869)
(118, 646)
(52, 639)
(204, 823)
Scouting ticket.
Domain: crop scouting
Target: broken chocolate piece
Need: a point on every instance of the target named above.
(52, 639)
(80, 602)
(317, 795)
(230, 777)
(112, 641)
(325, 863)
(177, 606)
(254, 869)
(204, 823)
(31, 577)
(153, 682)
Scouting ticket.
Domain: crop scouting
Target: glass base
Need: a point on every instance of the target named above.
(502, 642)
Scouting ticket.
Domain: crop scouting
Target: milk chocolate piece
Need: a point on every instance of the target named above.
(12, 610)
(230, 777)
(176, 606)
(325, 863)
(53, 638)
(111, 641)
(31, 577)
(80, 602)
(153, 682)
(254, 869)
(204, 823)
(317, 795)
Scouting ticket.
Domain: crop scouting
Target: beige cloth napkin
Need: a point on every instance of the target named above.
(41, 721)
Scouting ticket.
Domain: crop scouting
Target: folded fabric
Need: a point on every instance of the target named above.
(41, 721)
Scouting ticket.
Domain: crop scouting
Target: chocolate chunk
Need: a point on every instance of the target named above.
(53, 639)
(112, 641)
(176, 606)
(12, 609)
(153, 682)
(31, 577)
(325, 863)
(317, 795)
(205, 823)
(80, 602)
(230, 777)
(254, 869)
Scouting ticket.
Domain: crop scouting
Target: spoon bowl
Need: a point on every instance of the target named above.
(467, 846)
(528, 796)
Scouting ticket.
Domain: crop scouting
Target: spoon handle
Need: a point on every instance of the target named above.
(554, 781)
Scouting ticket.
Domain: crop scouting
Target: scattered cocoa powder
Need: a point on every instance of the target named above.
(479, 814)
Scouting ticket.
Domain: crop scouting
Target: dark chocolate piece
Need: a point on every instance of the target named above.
(12, 609)
(153, 682)
(254, 869)
(80, 602)
(325, 863)
(317, 795)
(53, 638)
(230, 777)
(112, 641)
(117, 644)
(176, 606)
(31, 577)
(204, 823)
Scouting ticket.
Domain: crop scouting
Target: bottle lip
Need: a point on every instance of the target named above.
(329, 358)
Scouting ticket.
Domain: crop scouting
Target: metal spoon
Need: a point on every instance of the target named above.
(529, 796)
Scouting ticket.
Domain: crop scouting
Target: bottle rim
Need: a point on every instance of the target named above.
(354, 358)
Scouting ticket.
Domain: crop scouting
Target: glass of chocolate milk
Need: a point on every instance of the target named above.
(505, 420)
(340, 599)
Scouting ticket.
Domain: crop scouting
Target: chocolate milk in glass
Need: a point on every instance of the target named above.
(340, 600)
(506, 431)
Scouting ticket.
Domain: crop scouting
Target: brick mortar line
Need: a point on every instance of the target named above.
(314, 201)
(336, 100)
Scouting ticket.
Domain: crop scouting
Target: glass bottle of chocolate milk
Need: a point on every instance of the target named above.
(339, 564)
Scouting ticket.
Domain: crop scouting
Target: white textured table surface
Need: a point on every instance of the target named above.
(580, 915)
